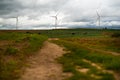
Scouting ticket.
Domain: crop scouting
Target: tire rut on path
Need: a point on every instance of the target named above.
(43, 66)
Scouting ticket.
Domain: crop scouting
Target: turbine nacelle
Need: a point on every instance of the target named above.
(54, 17)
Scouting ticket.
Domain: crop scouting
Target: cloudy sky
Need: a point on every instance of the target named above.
(36, 14)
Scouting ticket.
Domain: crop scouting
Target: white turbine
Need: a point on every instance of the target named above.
(16, 22)
(17, 19)
(98, 18)
(56, 20)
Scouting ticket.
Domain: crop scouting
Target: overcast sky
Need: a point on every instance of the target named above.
(36, 14)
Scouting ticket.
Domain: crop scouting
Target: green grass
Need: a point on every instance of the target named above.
(76, 56)
(19, 45)
(101, 43)
(10, 70)
(12, 36)
(14, 52)
(68, 33)
(11, 51)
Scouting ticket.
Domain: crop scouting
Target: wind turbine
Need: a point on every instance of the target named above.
(98, 18)
(56, 20)
(17, 19)
(17, 22)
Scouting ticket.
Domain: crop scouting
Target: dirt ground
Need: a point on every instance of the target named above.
(43, 66)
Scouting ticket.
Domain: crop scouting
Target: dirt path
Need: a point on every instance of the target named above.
(43, 66)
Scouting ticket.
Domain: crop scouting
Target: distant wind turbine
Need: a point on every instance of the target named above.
(56, 20)
(17, 22)
(98, 18)
(17, 19)
(98, 15)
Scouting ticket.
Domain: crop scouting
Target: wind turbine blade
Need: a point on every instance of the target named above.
(57, 13)
(55, 17)
(52, 16)
(97, 13)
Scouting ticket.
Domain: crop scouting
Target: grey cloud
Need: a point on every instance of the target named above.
(73, 10)
(8, 7)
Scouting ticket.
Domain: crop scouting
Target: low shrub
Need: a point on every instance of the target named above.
(11, 50)
(115, 35)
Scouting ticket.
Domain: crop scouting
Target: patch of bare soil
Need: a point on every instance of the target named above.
(53, 39)
(43, 66)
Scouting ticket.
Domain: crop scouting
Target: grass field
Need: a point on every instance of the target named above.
(68, 33)
(92, 54)
(91, 57)
(15, 48)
